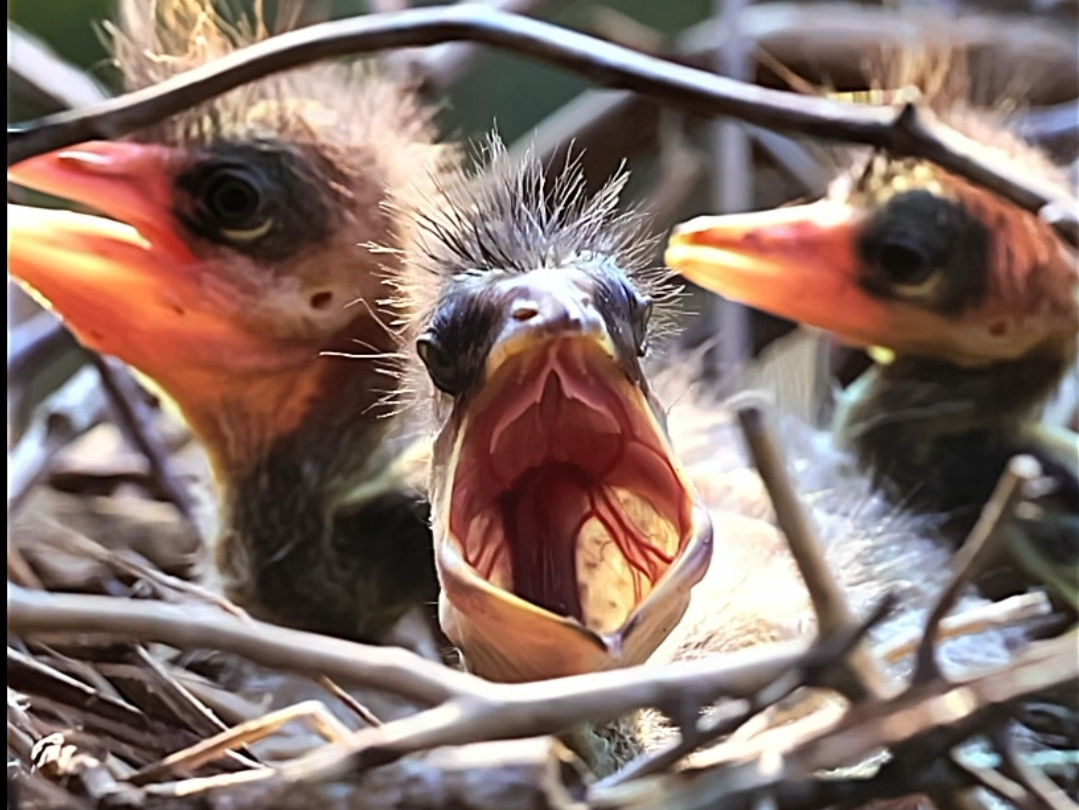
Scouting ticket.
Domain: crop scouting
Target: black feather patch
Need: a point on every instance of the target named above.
(510, 218)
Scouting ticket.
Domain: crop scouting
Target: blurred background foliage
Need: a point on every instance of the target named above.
(826, 42)
(513, 92)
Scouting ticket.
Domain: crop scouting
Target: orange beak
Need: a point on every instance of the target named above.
(802, 263)
(798, 263)
(131, 288)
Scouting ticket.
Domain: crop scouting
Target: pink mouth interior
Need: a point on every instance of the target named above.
(564, 492)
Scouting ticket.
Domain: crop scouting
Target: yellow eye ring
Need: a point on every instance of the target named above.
(248, 234)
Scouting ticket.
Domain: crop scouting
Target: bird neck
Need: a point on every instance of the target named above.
(938, 436)
(287, 449)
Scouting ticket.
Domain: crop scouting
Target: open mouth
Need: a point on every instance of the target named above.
(565, 492)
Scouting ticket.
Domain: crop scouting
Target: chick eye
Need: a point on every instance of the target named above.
(641, 315)
(232, 199)
(904, 262)
(440, 366)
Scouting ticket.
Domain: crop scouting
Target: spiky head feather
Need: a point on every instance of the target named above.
(508, 218)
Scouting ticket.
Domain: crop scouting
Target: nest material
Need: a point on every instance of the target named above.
(95, 721)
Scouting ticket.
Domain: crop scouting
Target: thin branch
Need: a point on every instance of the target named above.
(228, 740)
(443, 65)
(357, 708)
(829, 603)
(558, 703)
(136, 419)
(523, 710)
(531, 774)
(34, 70)
(1005, 613)
(395, 670)
(72, 410)
(825, 653)
(932, 720)
(969, 560)
(906, 132)
(36, 342)
(830, 39)
(1033, 781)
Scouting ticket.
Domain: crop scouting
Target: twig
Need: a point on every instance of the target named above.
(316, 713)
(830, 38)
(932, 721)
(76, 407)
(905, 132)
(994, 782)
(127, 725)
(128, 562)
(829, 604)
(34, 70)
(35, 343)
(443, 65)
(471, 709)
(188, 708)
(136, 419)
(357, 708)
(1033, 781)
(1007, 612)
(394, 670)
(825, 653)
(531, 774)
(551, 706)
(976, 550)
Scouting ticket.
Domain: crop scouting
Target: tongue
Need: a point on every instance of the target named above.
(542, 514)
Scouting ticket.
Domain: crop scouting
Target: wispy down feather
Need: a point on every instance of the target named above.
(329, 102)
(508, 217)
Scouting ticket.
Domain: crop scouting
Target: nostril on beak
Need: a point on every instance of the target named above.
(524, 311)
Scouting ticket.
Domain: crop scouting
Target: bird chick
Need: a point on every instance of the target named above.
(974, 299)
(509, 402)
(236, 268)
(567, 535)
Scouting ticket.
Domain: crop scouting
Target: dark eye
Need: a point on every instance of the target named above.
(640, 315)
(440, 366)
(233, 199)
(903, 261)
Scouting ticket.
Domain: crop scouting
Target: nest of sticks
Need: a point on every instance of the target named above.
(130, 686)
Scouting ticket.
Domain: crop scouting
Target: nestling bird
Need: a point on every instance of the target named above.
(974, 299)
(531, 313)
(567, 535)
(242, 263)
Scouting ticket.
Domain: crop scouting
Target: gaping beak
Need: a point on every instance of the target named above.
(567, 535)
(798, 263)
(129, 288)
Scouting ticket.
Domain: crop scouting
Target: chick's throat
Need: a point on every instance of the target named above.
(563, 489)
